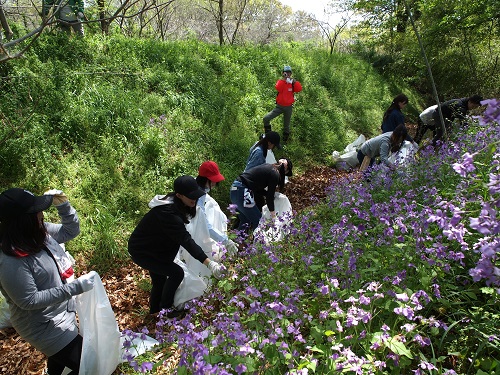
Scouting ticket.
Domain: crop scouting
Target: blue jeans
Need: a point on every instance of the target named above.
(249, 216)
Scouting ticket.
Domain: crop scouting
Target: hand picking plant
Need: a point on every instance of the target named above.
(398, 274)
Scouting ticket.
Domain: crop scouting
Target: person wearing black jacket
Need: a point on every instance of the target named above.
(452, 109)
(156, 240)
(260, 180)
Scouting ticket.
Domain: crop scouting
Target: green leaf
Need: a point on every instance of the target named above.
(398, 347)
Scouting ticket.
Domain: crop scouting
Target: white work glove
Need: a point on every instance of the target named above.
(217, 269)
(230, 246)
(59, 196)
(79, 15)
(289, 80)
(87, 281)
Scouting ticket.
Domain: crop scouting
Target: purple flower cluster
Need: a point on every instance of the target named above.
(358, 285)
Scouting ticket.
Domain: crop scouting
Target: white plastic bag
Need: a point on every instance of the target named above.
(215, 216)
(191, 287)
(270, 158)
(349, 159)
(139, 345)
(275, 232)
(101, 338)
(4, 313)
(427, 116)
(354, 146)
(405, 153)
(198, 230)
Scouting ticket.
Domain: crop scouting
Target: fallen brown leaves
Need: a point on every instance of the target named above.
(129, 300)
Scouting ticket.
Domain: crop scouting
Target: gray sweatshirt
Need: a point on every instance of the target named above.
(378, 146)
(41, 305)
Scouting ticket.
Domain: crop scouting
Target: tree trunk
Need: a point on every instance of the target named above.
(220, 22)
(102, 17)
(5, 25)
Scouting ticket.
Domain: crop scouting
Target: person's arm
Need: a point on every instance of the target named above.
(271, 189)
(280, 85)
(70, 224)
(174, 229)
(19, 283)
(297, 87)
(385, 147)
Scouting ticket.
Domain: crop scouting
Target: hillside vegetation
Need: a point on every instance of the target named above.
(113, 121)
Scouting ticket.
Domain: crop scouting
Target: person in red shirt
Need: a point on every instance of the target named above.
(287, 87)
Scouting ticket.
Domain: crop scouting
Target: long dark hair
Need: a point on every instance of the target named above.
(398, 136)
(25, 233)
(202, 181)
(262, 143)
(187, 212)
(401, 98)
(281, 170)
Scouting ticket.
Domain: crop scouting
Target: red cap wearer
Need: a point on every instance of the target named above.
(210, 170)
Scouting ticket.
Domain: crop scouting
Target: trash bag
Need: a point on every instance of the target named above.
(138, 345)
(191, 287)
(101, 351)
(4, 313)
(404, 155)
(198, 229)
(215, 216)
(349, 158)
(276, 231)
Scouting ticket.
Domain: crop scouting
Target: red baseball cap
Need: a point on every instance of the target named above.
(210, 170)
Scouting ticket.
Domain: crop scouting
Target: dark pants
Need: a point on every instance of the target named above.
(422, 129)
(69, 357)
(249, 216)
(361, 157)
(278, 110)
(165, 278)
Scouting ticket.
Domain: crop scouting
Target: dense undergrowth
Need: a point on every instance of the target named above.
(112, 121)
(397, 274)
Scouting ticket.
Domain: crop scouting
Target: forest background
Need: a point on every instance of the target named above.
(154, 89)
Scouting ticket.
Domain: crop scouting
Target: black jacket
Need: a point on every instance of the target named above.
(452, 109)
(159, 235)
(259, 178)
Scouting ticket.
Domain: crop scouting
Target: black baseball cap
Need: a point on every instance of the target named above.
(187, 186)
(274, 138)
(15, 202)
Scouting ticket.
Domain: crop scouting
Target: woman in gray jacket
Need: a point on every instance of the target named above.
(34, 274)
(382, 146)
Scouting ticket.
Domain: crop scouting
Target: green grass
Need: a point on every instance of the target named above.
(112, 121)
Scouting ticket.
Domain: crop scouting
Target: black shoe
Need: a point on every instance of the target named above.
(176, 313)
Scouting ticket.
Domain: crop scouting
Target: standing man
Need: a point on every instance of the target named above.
(452, 109)
(287, 87)
(69, 14)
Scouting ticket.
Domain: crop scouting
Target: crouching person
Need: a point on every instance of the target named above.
(156, 240)
(36, 274)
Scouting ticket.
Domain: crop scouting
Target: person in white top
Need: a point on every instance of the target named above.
(208, 177)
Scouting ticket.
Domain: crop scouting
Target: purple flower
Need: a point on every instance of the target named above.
(466, 166)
